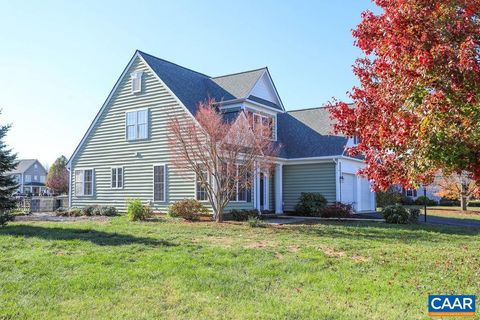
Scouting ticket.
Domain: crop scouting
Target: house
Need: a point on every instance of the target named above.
(30, 176)
(125, 154)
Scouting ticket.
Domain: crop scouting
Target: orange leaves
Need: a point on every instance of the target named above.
(417, 104)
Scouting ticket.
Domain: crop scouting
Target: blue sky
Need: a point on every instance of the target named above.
(60, 59)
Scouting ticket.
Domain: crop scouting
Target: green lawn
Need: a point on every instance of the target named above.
(165, 269)
(452, 212)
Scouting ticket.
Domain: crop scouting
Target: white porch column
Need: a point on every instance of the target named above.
(257, 188)
(266, 192)
(278, 188)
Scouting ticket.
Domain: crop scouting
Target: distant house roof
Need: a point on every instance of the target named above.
(23, 165)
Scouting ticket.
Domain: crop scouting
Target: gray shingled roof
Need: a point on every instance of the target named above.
(239, 84)
(23, 165)
(302, 133)
(307, 133)
(316, 118)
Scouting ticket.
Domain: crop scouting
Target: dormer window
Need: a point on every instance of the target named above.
(136, 81)
(356, 140)
(264, 122)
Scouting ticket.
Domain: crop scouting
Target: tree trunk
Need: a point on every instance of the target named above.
(219, 215)
(463, 197)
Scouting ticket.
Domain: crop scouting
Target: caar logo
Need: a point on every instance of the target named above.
(451, 305)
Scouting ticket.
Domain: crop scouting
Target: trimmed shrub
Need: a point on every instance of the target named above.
(407, 201)
(108, 211)
(6, 217)
(89, 210)
(421, 201)
(255, 222)
(137, 211)
(310, 204)
(188, 209)
(74, 212)
(389, 197)
(398, 214)
(337, 210)
(449, 202)
(243, 215)
(414, 214)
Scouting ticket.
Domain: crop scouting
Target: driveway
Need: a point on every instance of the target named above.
(448, 221)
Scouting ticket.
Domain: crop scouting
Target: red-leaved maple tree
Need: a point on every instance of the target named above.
(225, 153)
(417, 108)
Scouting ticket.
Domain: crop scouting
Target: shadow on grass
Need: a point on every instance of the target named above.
(383, 231)
(96, 237)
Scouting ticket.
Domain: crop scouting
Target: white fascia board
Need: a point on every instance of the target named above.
(273, 87)
(308, 160)
(353, 159)
(261, 107)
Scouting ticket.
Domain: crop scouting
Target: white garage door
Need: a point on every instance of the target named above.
(348, 189)
(366, 199)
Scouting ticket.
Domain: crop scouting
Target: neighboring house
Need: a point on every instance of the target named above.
(125, 152)
(30, 176)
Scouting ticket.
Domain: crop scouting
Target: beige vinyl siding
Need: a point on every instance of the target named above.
(107, 147)
(318, 177)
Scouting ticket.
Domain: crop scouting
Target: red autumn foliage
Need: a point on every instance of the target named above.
(417, 108)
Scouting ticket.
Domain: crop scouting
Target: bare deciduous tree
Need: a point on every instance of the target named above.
(224, 155)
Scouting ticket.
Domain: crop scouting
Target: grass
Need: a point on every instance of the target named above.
(166, 269)
(449, 212)
(452, 212)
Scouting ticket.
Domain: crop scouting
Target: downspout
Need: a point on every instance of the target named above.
(338, 167)
(69, 186)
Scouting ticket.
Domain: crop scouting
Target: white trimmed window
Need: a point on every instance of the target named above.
(159, 183)
(84, 182)
(117, 178)
(136, 81)
(266, 121)
(137, 124)
(201, 189)
(42, 179)
(28, 178)
(240, 193)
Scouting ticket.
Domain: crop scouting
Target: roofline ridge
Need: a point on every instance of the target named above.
(237, 73)
(176, 64)
(324, 106)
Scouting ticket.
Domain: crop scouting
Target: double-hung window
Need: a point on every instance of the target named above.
(240, 190)
(84, 182)
(265, 125)
(201, 189)
(137, 124)
(117, 178)
(159, 183)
